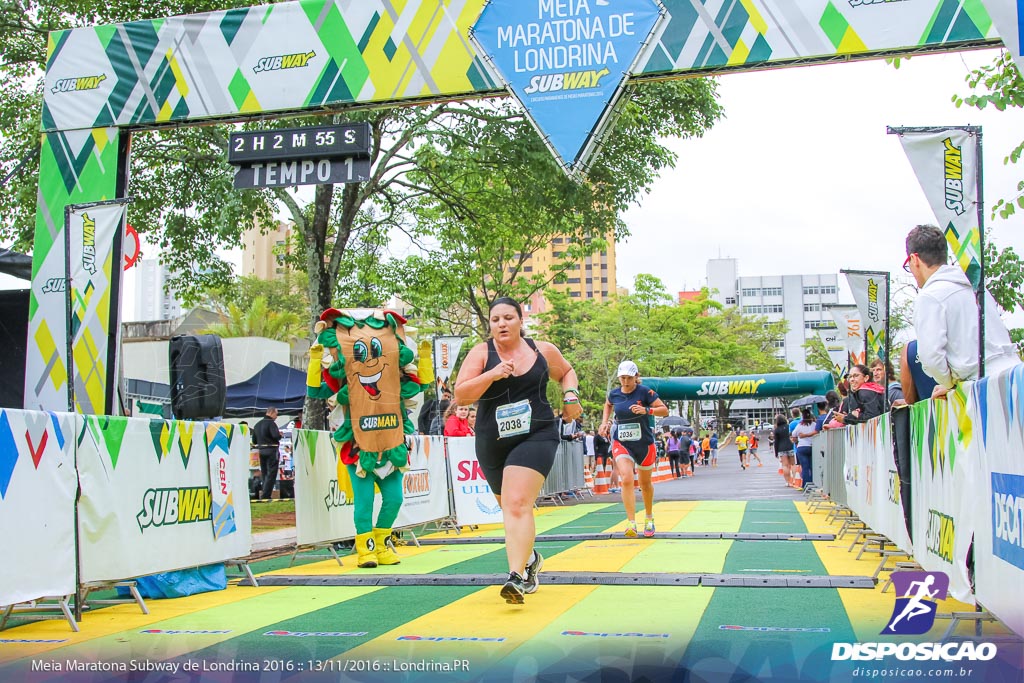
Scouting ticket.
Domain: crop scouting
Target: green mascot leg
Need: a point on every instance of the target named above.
(391, 502)
(362, 503)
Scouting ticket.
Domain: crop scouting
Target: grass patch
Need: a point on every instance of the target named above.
(277, 514)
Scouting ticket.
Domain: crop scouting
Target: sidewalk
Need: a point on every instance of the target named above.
(273, 540)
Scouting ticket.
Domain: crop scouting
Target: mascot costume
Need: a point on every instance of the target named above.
(362, 366)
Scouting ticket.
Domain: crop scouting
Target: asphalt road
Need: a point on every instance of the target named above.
(725, 482)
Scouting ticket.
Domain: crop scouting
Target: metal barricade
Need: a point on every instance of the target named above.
(832, 447)
(567, 472)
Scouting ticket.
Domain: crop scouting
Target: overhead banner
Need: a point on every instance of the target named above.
(871, 292)
(474, 501)
(945, 161)
(835, 346)
(146, 504)
(446, 354)
(999, 537)
(311, 54)
(944, 465)
(742, 386)
(93, 237)
(1008, 19)
(566, 63)
(847, 319)
(38, 485)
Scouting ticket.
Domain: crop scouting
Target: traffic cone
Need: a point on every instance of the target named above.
(797, 477)
(603, 477)
(588, 479)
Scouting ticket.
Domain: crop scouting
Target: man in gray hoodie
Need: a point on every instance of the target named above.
(946, 316)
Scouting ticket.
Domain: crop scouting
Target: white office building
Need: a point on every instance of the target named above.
(800, 299)
(152, 302)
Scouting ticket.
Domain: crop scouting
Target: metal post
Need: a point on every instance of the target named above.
(888, 342)
(981, 260)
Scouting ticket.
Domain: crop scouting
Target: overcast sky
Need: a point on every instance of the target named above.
(801, 177)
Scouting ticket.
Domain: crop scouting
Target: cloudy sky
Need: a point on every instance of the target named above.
(801, 177)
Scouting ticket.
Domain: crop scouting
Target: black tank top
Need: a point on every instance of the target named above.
(531, 386)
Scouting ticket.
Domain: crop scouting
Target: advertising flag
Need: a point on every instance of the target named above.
(847, 318)
(446, 352)
(835, 346)
(945, 162)
(871, 292)
(93, 265)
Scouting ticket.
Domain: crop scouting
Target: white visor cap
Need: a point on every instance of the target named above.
(627, 368)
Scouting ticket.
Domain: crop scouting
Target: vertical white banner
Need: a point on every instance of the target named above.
(835, 347)
(474, 501)
(37, 504)
(871, 292)
(222, 478)
(93, 236)
(848, 320)
(945, 162)
(146, 503)
(446, 353)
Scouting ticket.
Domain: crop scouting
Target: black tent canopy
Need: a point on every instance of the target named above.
(275, 386)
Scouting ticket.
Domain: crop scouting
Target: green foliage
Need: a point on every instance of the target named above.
(286, 295)
(491, 196)
(257, 321)
(1000, 85)
(696, 338)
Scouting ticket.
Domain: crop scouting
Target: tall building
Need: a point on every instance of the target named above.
(152, 302)
(263, 253)
(592, 277)
(800, 299)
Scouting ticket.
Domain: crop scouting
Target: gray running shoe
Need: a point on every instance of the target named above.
(513, 590)
(532, 570)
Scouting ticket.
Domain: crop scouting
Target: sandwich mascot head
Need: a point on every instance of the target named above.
(362, 366)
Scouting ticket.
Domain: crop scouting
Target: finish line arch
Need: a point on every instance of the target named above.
(770, 385)
(102, 82)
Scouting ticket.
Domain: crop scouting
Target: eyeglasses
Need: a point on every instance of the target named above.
(855, 374)
(906, 264)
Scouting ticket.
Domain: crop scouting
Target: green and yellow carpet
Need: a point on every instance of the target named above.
(710, 631)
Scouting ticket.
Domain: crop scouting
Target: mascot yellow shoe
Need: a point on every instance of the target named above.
(366, 551)
(385, 547)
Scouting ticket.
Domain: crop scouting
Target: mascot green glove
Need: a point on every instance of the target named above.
(362, 366)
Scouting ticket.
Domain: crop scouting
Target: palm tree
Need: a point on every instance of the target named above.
(257, 321)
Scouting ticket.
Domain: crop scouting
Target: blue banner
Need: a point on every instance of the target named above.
(566, 62)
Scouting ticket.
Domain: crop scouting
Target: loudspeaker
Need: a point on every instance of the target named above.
(198, 389)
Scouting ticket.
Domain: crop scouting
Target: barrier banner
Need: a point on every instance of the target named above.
(93, 243)
(425, 486)
(872, 480)
(474, 501)
(847, 319)
(944, 467)
(222, 501)
(871, 292)
(323, 492)
(37, 504)
(945, 162)
(999, 536)
(146, 503)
